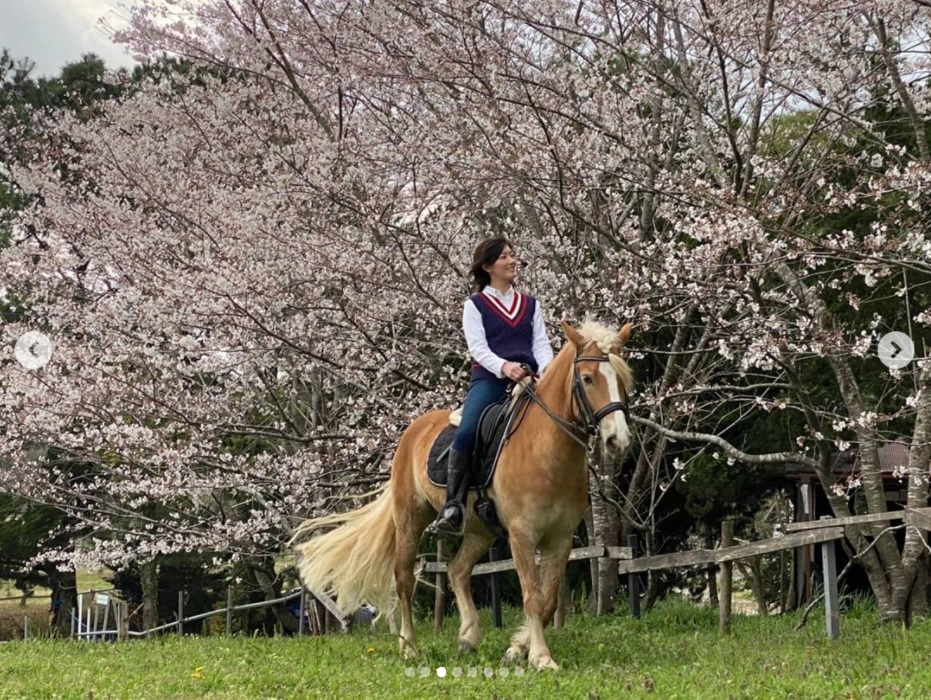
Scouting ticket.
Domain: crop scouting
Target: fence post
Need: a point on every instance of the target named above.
(93, 628)
(439, 598)
(495, 593)
(25, 627)
(727, 571)
(229, 610)
(180, 613)
(106, 620)
(122, 617)
(831, 607)
(301, 610)
(633, 581)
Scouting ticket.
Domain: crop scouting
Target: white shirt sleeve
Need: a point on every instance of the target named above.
(542, 348)
(474, 331)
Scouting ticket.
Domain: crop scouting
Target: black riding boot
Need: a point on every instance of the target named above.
(451, 518)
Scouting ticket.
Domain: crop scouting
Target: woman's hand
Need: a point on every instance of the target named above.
(514, 371)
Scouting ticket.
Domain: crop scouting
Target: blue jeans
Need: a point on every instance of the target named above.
(482, 393)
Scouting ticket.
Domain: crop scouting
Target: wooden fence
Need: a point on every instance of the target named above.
(100, 616)
(824, 532)
(495, 567)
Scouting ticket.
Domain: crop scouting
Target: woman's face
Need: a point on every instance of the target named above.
(504, 269)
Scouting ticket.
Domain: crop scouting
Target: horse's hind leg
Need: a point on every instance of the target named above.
(474, 545)
(409, 526)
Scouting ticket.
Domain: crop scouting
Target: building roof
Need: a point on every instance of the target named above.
(893, 458)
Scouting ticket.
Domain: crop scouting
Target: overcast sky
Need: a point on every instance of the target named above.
(55, 32)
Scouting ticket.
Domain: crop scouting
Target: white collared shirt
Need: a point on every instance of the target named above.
(474, 331)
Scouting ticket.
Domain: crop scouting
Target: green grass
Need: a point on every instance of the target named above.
(675, 651)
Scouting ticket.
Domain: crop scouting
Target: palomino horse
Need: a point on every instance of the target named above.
(540, 490)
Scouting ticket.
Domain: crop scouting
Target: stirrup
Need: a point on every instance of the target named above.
(443, 526)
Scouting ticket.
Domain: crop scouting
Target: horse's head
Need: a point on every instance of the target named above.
(601, 382)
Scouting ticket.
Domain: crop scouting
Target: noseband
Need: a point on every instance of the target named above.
(590, 417)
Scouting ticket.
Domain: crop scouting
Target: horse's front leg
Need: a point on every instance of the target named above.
(529, 640)
(552, 573)
(474, 545)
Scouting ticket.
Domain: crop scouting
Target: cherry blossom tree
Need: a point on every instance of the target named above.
(252, 271)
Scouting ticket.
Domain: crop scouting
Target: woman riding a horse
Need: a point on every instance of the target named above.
(539, 488)
(498, 322)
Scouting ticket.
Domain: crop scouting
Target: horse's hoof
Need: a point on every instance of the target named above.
(514, 655)
(544, 663)
(408, 652)
(466, 647)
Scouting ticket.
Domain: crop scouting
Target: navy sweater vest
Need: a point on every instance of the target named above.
(509, 332)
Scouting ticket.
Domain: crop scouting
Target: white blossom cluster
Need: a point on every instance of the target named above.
(253, 273)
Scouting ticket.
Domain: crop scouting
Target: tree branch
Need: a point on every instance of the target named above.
(771, 458)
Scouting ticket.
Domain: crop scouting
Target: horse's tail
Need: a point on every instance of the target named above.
(355, 561)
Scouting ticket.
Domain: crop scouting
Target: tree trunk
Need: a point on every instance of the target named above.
(918, 598)
(606, 529)
(752, 570)
(891, 573)
(264, 572)
(148, 579)
(651, 594)
(919, 457)
(64, 601)
(712, 570)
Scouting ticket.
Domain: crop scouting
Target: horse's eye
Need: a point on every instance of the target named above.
(586, 379)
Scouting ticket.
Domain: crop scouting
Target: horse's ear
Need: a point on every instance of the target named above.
(623, 335)
(572, 334)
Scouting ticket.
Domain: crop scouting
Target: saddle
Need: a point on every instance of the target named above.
(495, 426)
(483, 454)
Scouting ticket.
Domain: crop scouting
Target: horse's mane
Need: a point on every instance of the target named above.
(608, 342)
(599, 334)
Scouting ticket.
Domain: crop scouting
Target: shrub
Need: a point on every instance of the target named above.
(13, 619)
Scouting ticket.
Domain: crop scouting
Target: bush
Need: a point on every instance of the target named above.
(13, 617)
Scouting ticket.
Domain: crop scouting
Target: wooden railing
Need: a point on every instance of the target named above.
(824, 532)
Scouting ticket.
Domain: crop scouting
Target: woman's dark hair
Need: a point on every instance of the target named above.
(486, 253)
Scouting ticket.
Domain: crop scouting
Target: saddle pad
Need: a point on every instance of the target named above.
(438, 459)
(493, 425)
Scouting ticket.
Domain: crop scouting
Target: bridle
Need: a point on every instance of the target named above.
(590, 418)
